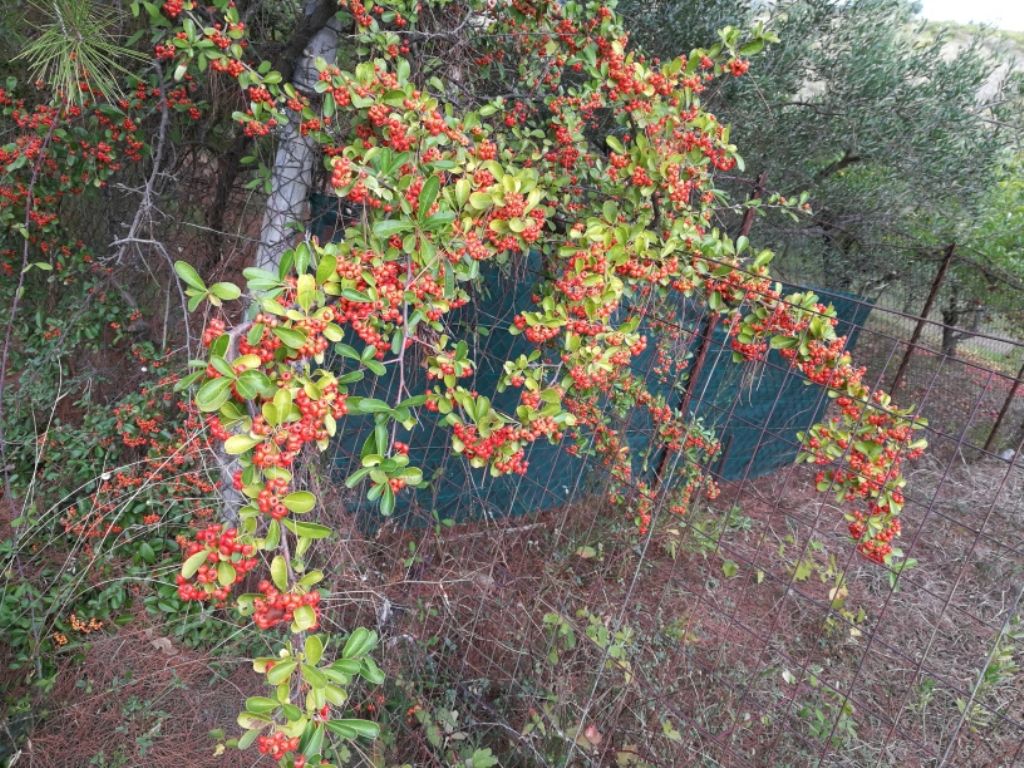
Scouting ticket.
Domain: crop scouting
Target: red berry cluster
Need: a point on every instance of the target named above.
(270, 495)
(277, 745)
(172, 8)
(502, 446)
(214, 328)
(877, 547)
(222, 546)
(872, 437)
(279, 608)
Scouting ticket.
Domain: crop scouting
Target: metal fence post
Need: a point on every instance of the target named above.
(940, 276)
(710, 323)
(1004, 410)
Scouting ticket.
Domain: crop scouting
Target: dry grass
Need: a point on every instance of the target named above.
(746, 634)
(136, 699)
(720, 668)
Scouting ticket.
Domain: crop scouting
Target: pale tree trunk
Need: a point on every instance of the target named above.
(290, 183)
(292, 174)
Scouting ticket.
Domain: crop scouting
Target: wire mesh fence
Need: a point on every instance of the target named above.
(746, 632)
(528, 617)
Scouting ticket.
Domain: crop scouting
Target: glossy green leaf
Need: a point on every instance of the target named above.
(300, 502)
(279, 573)
(260, 705)
(191, 565)
(281, 671)
(309, 530)
(226, 291)
(239, 444)
(213, 394)
(305, 617)
(314, 649)
(290, 337)
(388, 227)
(188, 275)
(351, 728)
(428, 195)
(359, 643)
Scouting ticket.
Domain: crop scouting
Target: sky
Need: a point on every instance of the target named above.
(1004, 14)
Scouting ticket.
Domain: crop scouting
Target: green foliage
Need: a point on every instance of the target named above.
(828, 713)
(997, 241)
(894, 130)
(73, 50)
(1000, 675)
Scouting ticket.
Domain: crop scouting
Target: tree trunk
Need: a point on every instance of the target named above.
(292, 175)
(317, 16)
(950, 319)
(290, 183)
(1017, 443)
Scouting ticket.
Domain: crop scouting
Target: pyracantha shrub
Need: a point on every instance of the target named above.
(601, 162)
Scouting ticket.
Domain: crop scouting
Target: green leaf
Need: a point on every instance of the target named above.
(370, 405)
(483, 758)
(282, 403)
(346, 351)
(462, 190)
(261, 279)
(314, 649)
(250, 720)
(356, 296)
(260, 705)
(428, 195)
(387, 501)
(326, 267)
(305, 291)
(312, 675)
(213, 394)
(300, 502)
(359, 643)
(290, 337)
(338, 728)
(226, 291)
(146, 553)
(309, 530)
(315, 743)
(191, 566)
(222, 366)
(239, 444)
(439, 220)
(752, 48)
(189, 276)
(188, 381)
(273, 537)
(251, 383)
(225, 574)
(371, 672)
(279, 573)
(301, 258)
(388, 227)
(351, 728)
(480, 201)
(282, 670)
(305, 618)
(352, 480)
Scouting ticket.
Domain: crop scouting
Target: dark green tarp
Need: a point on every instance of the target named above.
(755, 410)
